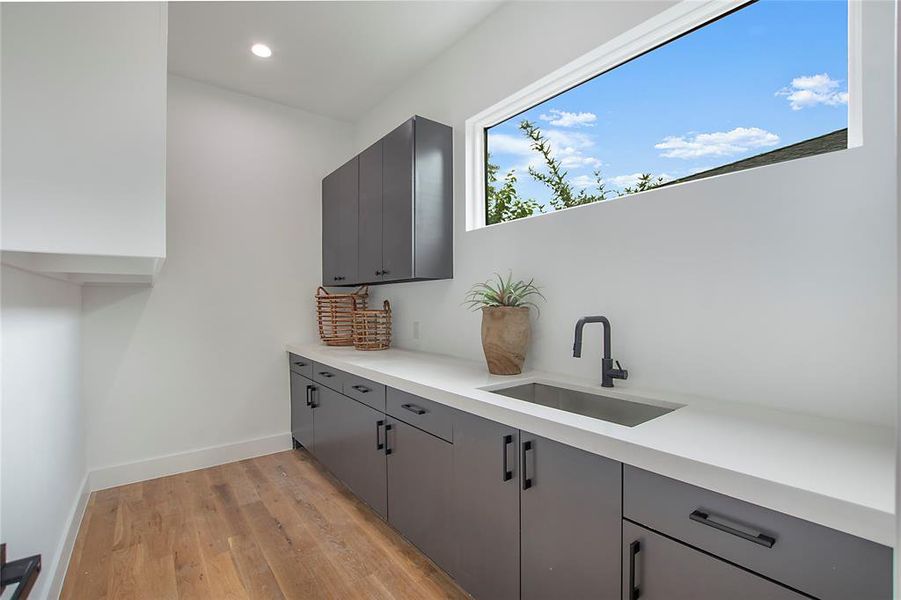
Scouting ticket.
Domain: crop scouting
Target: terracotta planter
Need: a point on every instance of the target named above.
(505, 337)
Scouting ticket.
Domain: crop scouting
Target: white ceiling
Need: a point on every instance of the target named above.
(332, 58)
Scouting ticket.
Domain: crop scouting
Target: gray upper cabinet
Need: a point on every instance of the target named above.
(486, 507)
(398, 198)
(571, 503)
(340, 214)
(658, 568)
(371, 204)
(404, 203)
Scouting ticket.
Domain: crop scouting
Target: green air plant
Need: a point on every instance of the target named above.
(500, 292)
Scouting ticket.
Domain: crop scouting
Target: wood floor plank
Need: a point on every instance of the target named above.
(276, 526)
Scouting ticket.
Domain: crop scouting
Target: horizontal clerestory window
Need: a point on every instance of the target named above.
(764, 83)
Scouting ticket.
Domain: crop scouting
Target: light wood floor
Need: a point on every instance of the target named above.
(270, 527)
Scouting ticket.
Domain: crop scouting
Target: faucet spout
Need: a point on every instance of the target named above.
(608, 373)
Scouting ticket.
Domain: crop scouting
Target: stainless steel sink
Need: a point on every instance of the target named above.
(596, 406)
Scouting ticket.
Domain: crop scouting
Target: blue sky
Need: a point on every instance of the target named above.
(769, 75)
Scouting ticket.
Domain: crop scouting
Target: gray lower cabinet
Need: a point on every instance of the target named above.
(658, 568)
(350, 443)
(571, 514)
(420, 467)
(486, 507)
(340, 202)
(302, 410)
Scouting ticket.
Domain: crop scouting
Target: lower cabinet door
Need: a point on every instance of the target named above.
(486, 507)
(571, 503)
(658, 568)
(302, 410)
(420, 467)
(350, 443)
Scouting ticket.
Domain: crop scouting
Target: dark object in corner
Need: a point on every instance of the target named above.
(22, 573)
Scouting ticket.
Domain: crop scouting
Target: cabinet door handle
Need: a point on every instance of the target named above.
(378, 435)
(378, 272)
(300, 364)
(326, 374)
(385, 271)
(760, 538)
(634, 590)
(309, 395)
(361, 388)
(313, 389)
(388, 427)
(414, 408)
(507, 440)
(526, 480)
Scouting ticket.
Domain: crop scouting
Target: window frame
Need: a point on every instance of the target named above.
(673, 23)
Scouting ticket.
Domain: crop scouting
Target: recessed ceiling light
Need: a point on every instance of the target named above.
(261, 50)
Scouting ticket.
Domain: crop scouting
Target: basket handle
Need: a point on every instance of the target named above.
(387, 306)
(321, 291)
(363, 289)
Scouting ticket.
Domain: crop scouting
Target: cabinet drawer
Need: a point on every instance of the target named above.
(329, 376)
(300, 365)
(429, 416)
(814, 559)
(658, 568)
(366, 391)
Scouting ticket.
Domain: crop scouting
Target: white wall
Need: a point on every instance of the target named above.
(198, 360)
(84, 124)
(774, 286)
(42, 432)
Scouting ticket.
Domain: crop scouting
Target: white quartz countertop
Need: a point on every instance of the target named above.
(834, 473)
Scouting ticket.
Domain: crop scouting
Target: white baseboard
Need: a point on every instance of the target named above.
(170, 464)
(60, 562)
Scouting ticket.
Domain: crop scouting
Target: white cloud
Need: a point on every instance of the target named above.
(562, 118)
(632, 179)
(503, 143)
(810, 90)
(717, 143)
(583, 182)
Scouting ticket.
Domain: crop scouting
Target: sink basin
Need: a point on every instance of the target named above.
(596, 406)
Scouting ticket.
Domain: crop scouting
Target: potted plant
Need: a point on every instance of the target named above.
(506, 328)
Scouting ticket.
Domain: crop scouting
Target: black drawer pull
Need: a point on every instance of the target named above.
(388, 427)
(326, 374)
(414, 408)
(507, 440)
(299, 364)
(526, 480)
(361, 388)
(704, 519)
(378, 435)
(634, 590)
(309, 395)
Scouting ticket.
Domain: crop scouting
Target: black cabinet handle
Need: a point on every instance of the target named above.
(388, 427)
(760, 538)
(313, 390)
(310, 395)
(361, 388)
(339, 278)
(634, 590)
(378, 435)
(414, 408)
(326, 374)
(507, 440)
(378, 272)
(526, 480)
(300, 364)
(385, 271)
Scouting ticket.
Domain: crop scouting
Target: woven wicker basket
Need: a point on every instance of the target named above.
(372, 328)
(335, 314)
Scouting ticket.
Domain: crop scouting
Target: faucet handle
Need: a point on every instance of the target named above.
(619, 366)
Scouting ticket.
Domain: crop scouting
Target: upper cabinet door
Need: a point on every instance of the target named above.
(397, 203)
(370, 226)
(340, 202)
